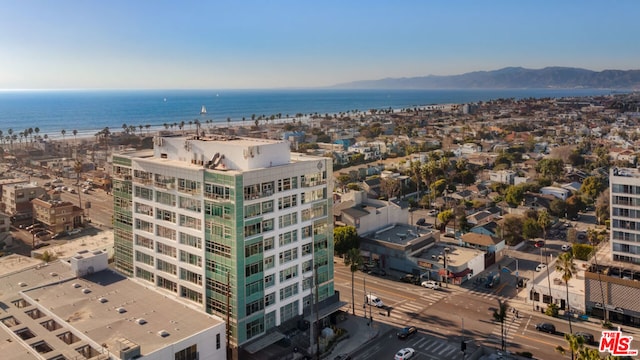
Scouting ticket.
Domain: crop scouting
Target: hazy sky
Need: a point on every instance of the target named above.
(175, 44)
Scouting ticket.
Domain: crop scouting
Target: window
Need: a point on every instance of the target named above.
(190, 204)
(254, 306)
(144, 209)
(190, 353)
(189, 186)
(190, 258)
(165, 232)
(167, 267)
(252, 210)
(288, 255)
(143, 193)
(190, 222)
(166, 215)
(144, 258)
(268, 244)
(288, 219)
(192, 295)
(254, 287)
(145, 275)
(144, 241)
(144, 225)
(270, 299)
(167, 284)
(167, 182)
(287, 202)
(269, 262)
(255, 328)
(165, 249)
(253, 249)
(219, 249)
(253, 229)
(217, 341)
(289, 273)
(288, 291)
(190, 240)
(288, 237)
(165, 198)
(307, 266)
(288, 311)
(190, 276)
(253, 269)
(306, 249)
(214, 191)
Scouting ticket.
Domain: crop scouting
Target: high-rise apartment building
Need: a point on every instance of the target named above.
(227, 223)
(625, 214)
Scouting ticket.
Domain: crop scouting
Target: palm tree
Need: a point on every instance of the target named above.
(500, 314)
(147, 126)
(593, 238)
(75, 140)
(36, 130)
(543, 221)
(567, 268)
(125, 128)
(353, 260)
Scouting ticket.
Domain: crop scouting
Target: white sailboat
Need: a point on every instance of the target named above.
(203, 110)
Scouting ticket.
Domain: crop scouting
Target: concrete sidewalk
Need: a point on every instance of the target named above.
(360, 334)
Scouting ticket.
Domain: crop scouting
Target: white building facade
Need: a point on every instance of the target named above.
(219, 221)
(625, 211)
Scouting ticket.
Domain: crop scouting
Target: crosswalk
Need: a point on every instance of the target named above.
(485, 295)
(434, 348)
(410, 309)
(511, 326)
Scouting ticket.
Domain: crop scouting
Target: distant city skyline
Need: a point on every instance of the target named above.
(72, 44)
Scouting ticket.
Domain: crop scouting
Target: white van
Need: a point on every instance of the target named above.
(374, 301)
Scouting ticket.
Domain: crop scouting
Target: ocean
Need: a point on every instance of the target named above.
(89, 111)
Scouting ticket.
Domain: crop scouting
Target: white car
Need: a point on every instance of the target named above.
(405, 353)
(541, 267)
(566, 247)
(430, 284)
(75, 231)
(432, 212)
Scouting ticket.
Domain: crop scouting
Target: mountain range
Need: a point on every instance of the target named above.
(510, 77)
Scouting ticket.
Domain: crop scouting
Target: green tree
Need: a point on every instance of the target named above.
(592, 187)
(353, 260)
(390, 187)
(530, 228)
(345, 238)
(500, 315)
(514, 195)
(444, 217)
(438, 186)
(550, 168)
(511, 229)
(558, 207)
(544, 220)
(567, 268)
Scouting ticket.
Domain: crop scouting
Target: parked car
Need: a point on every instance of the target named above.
(75, 231)
(432, 212)
(409, 278)
(546, 327)
(33, 226)
(59, 235)
(541, 267)
(374, 301)
(40, 245)
(42, 234)
(539, 243)
(404, 354)
(566, 247)
(36, 230)
(588, 338)
(430, 284)
(406, 332)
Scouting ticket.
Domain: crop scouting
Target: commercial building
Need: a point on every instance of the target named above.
(79, 309)
(238, 227)
(625, 211)
(56, 215)
(17, 197)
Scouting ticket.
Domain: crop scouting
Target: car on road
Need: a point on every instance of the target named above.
(430, 284)
(405, 332)
(404, 354)
(588, 338)
(541, 267)
(566, 247)
(57, 181)
(59, 235)
(539, 243)
(75, 231)
(546, 327)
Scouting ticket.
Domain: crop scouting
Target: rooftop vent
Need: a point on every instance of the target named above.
(86, 291)
(121, 310)
(53, 274)
(76, 285)
(22, 284)
(103, 300)
(141, 321)
(163, 333)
